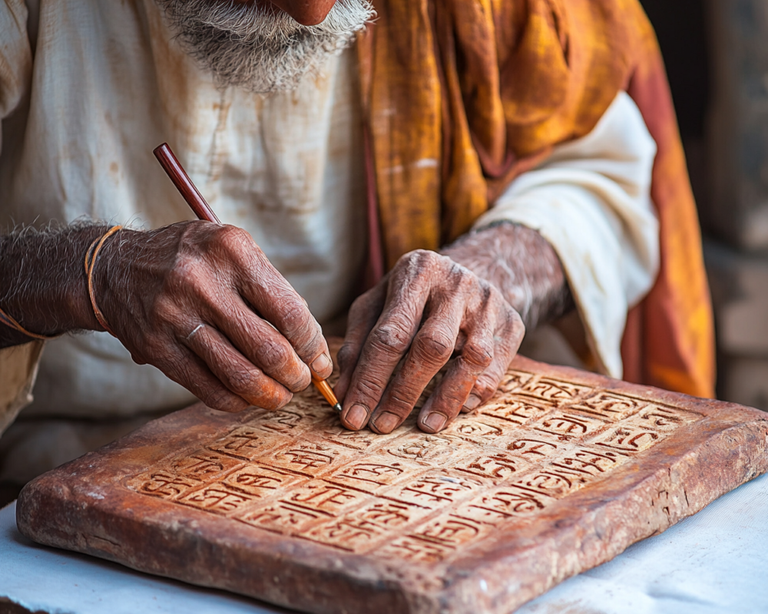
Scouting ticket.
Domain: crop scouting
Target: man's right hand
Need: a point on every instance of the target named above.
(202, 303)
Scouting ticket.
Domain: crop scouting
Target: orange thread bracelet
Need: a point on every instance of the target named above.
(90, 261)
(11, 323)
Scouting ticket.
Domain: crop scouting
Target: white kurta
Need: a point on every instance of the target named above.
(88, 89)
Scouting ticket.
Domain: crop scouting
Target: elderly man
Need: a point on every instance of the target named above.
(483, 167)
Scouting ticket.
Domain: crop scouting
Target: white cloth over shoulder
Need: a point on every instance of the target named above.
(591, 200)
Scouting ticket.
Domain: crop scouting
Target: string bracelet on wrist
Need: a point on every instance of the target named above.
(12, 323)
(90, 262)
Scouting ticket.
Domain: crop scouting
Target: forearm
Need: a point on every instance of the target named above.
(522, 265)
(43, 281)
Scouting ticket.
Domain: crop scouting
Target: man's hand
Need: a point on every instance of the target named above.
(202, 303)
(199, 301)
(428, 308)
(473, 303)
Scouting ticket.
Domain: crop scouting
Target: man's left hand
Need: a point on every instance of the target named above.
(427, 309)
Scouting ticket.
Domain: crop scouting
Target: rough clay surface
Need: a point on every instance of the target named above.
(560, 472)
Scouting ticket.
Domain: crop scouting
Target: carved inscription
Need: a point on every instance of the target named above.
(246, 443)
(513, 380)
(516, 411)
(280, 518)
(165, 484)
(218, 498)
(555, 391)
(410, 496)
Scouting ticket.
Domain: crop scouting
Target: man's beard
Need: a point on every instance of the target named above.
(259, 47)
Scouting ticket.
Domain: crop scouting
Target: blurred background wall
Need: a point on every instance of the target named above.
(716, 53)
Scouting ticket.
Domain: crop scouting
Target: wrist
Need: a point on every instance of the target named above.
(44, 285)
(521, 264)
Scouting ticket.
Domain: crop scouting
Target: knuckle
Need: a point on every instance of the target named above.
(346, 355)
(296, 319)
(298, 384)
(239, 250)
(190, 279)
(311, 344)
(233, 238)
(485, 386)
(417, 260)
(184, 272)
(275, 401)
(242, 381)
(218, 399)
(401, 402)
(435, 345)
(370, 389)
(479, 352)
(272, 356)
(391, 338)
(408, 257)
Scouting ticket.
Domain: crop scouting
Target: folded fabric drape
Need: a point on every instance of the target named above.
(461, 96)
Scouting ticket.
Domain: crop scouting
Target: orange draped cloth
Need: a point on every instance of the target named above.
(461, 96)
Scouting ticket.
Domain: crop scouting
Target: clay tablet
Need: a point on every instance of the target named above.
(561, 471)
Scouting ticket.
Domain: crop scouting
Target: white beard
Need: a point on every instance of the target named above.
(261, 48)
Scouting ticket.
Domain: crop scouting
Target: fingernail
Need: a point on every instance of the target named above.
(357, 416)
(435, 421)
(386, 422)
(321, 363)
(472, 402)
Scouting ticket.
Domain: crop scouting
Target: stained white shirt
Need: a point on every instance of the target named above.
(88, 89)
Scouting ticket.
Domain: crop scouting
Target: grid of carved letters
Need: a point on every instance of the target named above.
(409, 495)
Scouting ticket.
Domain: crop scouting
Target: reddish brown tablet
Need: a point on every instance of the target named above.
(560, 472)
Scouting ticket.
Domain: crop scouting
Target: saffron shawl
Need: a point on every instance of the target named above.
(461, 96)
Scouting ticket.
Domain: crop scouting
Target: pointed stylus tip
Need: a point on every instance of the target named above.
(337, 407)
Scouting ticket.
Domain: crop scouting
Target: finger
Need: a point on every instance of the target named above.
(451, 394)
(431, 349)
(236, 372)
(385, 345)
(507, 341)
(263, 346)
(188, 370)
(288, 313)
(362, 317)
(487, 383)
(275, 300)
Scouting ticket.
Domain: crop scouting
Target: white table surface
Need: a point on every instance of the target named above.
(715, 561)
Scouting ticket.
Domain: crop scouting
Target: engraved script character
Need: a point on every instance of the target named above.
(534, 447)
(164, 484)
(416, 550)
(452, 531)
(388, 514)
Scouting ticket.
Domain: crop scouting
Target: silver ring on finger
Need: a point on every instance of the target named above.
(194, 331)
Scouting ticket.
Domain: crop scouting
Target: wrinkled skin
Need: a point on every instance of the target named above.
(428, 308)
(201, 302)
(257, 338)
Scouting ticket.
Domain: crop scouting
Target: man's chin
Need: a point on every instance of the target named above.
(257, 46)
